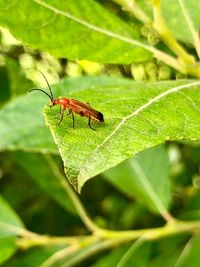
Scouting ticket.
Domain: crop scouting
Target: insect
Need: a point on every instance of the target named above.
(72, 105)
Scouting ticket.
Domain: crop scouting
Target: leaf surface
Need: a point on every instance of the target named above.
(137, 116)
(41, 169)
(177, 13)
(10, 223)
(7, 248)
(22, 126)
(144, 177)
(189, 255)
(69, 24)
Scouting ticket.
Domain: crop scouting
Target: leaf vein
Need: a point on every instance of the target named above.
(149, 103)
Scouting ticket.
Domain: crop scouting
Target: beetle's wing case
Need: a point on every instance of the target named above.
(85, 110)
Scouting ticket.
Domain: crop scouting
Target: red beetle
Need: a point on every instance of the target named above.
(73, 105)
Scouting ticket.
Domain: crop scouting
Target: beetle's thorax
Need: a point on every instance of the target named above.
(63, 101)
(60, 101)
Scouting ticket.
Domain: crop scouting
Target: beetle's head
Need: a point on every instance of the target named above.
(53, 102)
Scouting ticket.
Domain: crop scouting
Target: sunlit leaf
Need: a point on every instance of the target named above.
(176, 19)
(69, 23)
(137, 116)
(22, 125)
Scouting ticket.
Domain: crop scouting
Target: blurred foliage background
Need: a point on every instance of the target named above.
(110, 205)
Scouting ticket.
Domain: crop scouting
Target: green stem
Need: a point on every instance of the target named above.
(169, 229)
(25, 242)
(116, 237)
(72, 194)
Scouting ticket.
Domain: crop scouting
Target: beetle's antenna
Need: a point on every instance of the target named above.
(48, 85)
(41, 91)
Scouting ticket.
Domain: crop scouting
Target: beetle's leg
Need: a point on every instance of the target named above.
(61, 118)
(62, 111)
(73, 120)
(89, 119)
(89, 124)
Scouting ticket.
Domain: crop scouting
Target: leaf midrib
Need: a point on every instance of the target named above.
(188, 20)
(148, 187)
(96, 28)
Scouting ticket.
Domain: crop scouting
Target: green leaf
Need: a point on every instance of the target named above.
(137, 116)
(45, 177)
(18, 82)
(190, 254)
(145, 177)
(22, 125)
(70, 256)
(176, 18)
(10, 223)
(7, 248)
(137, 259)
(75, 28)
(33, 257)
(166, 251)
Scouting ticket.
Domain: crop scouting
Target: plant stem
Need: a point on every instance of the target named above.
(72, 194)
(176, 227)
(25, 242)
(115, 237)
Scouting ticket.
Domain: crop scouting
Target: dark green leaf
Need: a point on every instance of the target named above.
(144, 177)
(18, 82)
(137, 259)
(9, 221)
(33, 257)
(5, 86)
(190, 254)
(41, 171)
